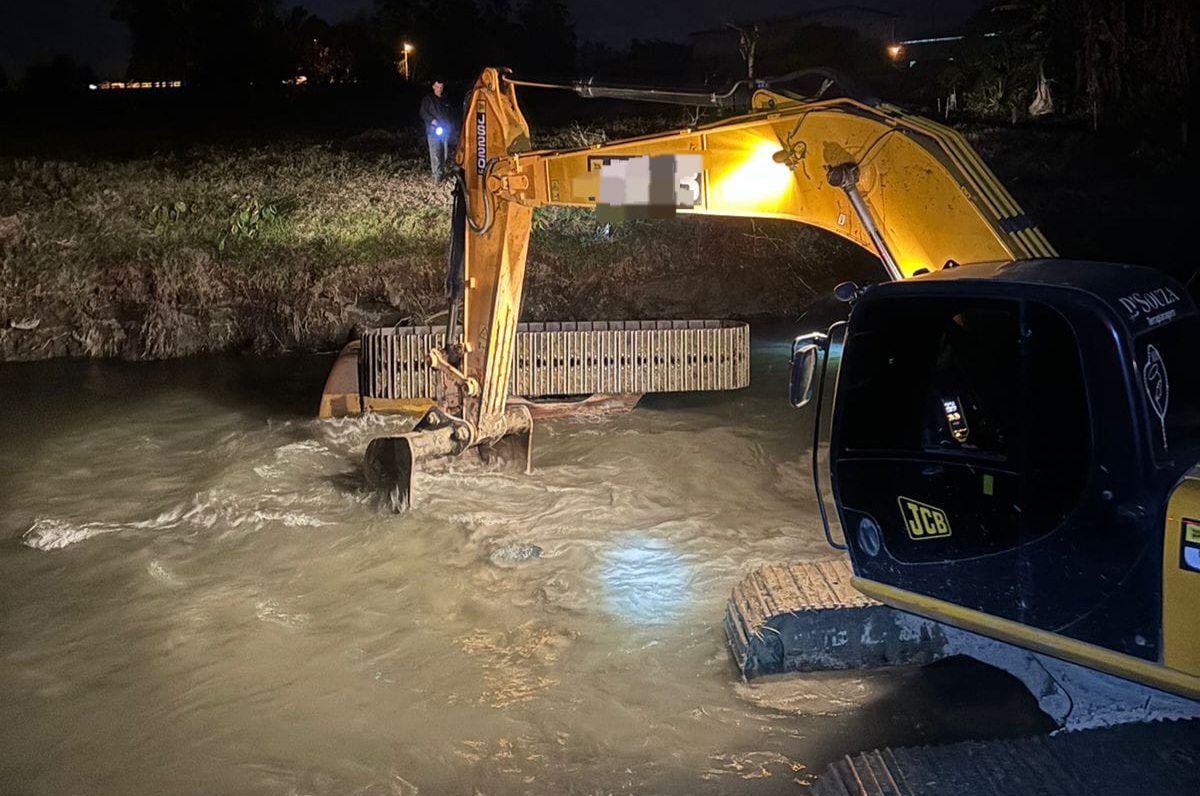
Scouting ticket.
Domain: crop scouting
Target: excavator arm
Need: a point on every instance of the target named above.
(909, 190)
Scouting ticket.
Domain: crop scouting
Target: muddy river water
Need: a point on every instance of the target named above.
(198, 596)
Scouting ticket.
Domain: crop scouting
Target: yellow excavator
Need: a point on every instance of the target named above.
(1013, 441)
(910, 190)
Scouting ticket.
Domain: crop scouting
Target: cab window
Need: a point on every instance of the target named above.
(994, 385)
(1058, 427)
(934, 375)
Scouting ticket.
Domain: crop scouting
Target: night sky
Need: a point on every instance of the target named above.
(35, 30)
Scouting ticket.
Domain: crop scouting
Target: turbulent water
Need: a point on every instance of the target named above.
(198, 595)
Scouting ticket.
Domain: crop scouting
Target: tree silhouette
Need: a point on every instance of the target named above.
(547, 38)
(456, 37)
(363, 50)
(497, 31)
(444, 34)
(747, 44)
(61, 74)
(157, 37)
(205, 41)
(234, 42)
(322, 53)
(1106, 58)
(1134, 59)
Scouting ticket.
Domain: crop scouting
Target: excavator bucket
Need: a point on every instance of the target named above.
(514, 450)
(390, 463)
(388, 466)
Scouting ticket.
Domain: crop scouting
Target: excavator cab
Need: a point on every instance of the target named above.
(1005, 441)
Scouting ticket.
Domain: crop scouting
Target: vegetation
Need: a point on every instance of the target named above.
(1109, 60)
(209, 249)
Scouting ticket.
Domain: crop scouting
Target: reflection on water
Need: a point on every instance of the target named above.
(645, 583)
(198, 595)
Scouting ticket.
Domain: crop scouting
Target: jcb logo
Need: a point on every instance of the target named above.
(922, 520)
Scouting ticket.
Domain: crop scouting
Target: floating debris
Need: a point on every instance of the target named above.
(515, 553)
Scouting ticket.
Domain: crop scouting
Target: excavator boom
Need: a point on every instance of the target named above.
(909, 190)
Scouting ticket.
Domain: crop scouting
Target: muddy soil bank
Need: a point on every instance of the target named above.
(300, 246)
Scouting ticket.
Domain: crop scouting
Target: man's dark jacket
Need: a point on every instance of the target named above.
(435, 107)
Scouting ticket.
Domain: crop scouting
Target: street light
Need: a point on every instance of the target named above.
(408, 48)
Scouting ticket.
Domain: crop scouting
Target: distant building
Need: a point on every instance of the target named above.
(122, 85)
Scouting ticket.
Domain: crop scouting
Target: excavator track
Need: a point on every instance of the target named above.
(804, 617)
(809, 617)
(573, 358)
(1154, 759)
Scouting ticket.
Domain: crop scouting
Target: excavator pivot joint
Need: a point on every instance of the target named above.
(843, 175)
(440, 362)
(847, 292)
(462, 434)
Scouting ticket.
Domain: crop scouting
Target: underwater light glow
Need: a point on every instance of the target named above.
(645, 582)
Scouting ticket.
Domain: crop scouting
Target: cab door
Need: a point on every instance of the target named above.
(964, 461)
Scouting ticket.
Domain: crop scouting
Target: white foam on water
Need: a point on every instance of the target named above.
(305, 446)
(271, 611)
(51, 534)
(479, 518)
(48, 533)
(292, 519)
(219, 510)
(356, 432)
(210, 511)
(161, 574)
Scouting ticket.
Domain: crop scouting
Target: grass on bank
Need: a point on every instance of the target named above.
(297, 245)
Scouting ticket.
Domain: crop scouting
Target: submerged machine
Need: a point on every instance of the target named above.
(1009, 446)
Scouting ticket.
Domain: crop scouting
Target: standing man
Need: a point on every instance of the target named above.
(440, 123)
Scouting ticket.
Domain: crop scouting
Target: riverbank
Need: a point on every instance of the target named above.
(298, 246)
